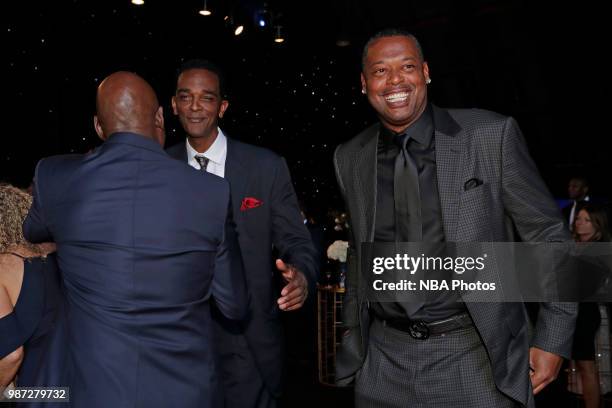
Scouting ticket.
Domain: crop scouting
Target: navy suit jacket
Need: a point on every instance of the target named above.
(143, 242)
(276, 224)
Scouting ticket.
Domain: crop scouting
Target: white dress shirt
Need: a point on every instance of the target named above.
(216, 154)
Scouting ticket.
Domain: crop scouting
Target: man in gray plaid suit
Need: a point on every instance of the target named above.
(467, 175)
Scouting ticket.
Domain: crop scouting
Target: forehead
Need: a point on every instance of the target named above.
(576, 183)
(198, 78)
(396, 47)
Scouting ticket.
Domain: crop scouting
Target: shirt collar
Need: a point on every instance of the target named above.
(215, 152)
(420, 131)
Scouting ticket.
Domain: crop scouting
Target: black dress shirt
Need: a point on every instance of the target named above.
(421, 147)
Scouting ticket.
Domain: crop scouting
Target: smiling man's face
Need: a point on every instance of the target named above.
(394, 77)
(198, 102)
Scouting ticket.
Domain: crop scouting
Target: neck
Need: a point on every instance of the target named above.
(202, 144)
(585, 237)
(145, 132)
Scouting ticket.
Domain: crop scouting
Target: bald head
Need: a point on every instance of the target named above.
(126, 103)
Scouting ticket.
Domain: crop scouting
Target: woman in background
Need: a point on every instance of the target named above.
(590, 225)
(30, 300)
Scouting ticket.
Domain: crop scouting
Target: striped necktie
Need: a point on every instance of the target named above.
(202, 161)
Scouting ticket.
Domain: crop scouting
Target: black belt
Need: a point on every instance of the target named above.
(421, 330)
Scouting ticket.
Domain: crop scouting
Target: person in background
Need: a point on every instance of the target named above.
(590, 225)
(30, 300)
(578, 192)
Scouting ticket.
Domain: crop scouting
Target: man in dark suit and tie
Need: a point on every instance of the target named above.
(268, 218)
(138, 272)
(578, 192)
(433, 175)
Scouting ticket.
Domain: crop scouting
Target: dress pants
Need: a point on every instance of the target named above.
(449, 370)
(242, 383)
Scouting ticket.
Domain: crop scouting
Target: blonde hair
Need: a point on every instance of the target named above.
(14, 207)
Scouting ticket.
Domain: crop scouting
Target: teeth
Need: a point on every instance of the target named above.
(396, 97)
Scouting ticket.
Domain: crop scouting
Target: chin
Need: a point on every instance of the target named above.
(403, 116)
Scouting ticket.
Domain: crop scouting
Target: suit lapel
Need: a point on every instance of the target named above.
(184, 151)
(450, 147)
(365, 174)
(236, 174)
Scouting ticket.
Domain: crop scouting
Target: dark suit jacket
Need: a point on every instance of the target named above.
(277, 223)
(138, 271)
(470, 144)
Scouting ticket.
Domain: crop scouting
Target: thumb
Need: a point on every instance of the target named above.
(281, 266)
(287, 272)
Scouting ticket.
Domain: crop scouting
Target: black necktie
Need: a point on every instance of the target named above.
(202, 161)
(407, 200)
(407, 196)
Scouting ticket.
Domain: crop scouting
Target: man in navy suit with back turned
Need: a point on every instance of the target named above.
(138, 271)
(267, 216)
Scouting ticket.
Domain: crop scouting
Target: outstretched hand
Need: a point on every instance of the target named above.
(294, 294)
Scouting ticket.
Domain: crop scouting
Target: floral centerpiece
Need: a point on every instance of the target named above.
(337, 252)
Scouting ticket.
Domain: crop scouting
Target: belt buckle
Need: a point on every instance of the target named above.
(418, 330)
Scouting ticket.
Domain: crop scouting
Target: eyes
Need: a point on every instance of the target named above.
(380, 71)
(187, 98)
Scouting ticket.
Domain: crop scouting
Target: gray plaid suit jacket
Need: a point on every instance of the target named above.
(469, 144)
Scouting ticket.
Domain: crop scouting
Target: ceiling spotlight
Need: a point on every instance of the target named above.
(278, 37)
(239, 30)
(205, 11)
(262, 17)
(138, 2)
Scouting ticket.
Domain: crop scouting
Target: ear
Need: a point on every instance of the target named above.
(223, 108)
(363, 83)
(174, 105)
(160, 134)
(98, 128)
(426, 71)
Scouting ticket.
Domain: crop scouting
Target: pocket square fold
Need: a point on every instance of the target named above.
(472, 183)
(250, 202)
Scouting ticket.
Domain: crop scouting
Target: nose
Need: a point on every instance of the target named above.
(395, 77)
(195, 105)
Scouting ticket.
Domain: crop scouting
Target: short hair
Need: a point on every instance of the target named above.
(14, 207)
(391, 32)
(581, 179)
(599, 218)
(199, 63)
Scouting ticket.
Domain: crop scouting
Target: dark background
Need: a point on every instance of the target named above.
(543, 63)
